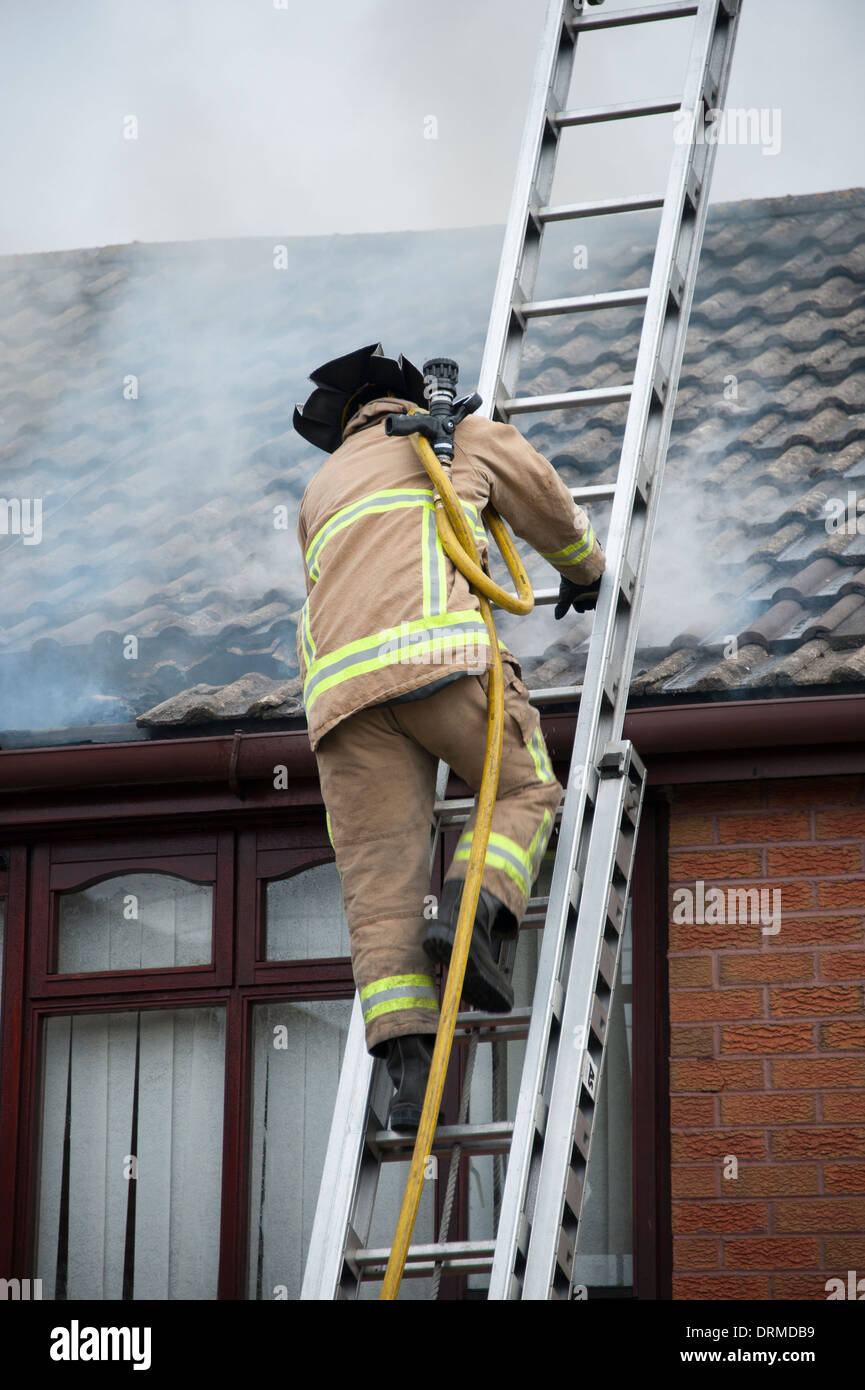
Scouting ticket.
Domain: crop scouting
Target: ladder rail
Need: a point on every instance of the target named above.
(602, 706)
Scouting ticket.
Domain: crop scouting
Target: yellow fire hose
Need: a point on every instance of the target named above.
(458, 542)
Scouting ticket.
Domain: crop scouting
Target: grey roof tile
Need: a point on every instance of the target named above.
(160, 510)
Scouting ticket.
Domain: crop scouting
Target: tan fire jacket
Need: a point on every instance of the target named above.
(386, 610)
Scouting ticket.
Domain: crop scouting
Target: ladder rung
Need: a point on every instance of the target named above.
(492, 1138)
(463, 1256)
(565, 212)
(457, 808)
(566, 400)
(620, 111)
(488, 1027)
(554, 694)
(677, 9)
(583, 303)
(593, 492)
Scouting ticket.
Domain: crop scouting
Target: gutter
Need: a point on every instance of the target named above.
(659, 732)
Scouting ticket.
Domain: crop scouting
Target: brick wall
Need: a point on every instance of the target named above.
(768, 1041)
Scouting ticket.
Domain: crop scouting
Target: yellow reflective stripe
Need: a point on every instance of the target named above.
(392, 1006)
(495, 860)
(503, 853)
(391, 499)
(329, 831)
(395, 982)
(539, 844)
(398, 992)
(477, 524)
(433, 569)
(306, 635)
(571, 553)
(389, 647)
(540, 756)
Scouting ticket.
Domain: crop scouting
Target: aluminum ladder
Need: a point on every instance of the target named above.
(548, 1143)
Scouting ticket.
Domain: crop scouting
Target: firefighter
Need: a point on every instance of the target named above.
(394, 656)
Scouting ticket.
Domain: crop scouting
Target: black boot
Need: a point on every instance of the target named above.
(408, 1064)
(485, 986)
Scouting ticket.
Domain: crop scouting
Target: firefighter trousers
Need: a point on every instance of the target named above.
(377, 770)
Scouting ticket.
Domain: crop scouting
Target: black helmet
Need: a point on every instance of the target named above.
(347, 383)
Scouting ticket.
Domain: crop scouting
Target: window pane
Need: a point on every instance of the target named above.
(304, 916)
(135, 922)
(131, 1160)
(297, 1053)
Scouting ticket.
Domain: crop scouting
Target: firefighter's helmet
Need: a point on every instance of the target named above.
(345, 384)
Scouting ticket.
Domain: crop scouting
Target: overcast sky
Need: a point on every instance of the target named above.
(283, 117)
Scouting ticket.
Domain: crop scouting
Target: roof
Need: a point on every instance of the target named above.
(148, 398)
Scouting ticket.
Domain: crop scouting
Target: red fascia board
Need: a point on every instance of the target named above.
(729, 724)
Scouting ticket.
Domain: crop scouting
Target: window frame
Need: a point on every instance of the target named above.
(62, 864)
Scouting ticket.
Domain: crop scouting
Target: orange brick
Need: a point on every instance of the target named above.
(767, 1110)
(843, 1253)
(768, 1037)
(688, 1111)
(709, 1145)
(691, 1042)
(823, 999)
(818, 931)
(775, 1179)
(687, 867)
(688, 971)
(843, 1036)
(696, 936)
(714, 1287)
(842, 965)
(802, 1287)
(845, 1108)
(745, 1075)
(822, 1214)
(766, 1252)
(841, 892)
(720, 1217)
(695, 1252)
(844, 1177)
(796, 895)
(692, 830)
(777, 825)
(833, 1073)
(716, 1004)
(808, 791)
(825, 859)
(840, 825)
(817, 1142)
(695, 1180)
(749, 967)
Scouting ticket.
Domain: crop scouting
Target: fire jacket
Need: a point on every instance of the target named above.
(386, 611)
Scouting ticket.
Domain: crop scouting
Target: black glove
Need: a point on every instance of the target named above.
(580, 597)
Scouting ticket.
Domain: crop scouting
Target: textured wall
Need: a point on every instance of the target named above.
(768, 1040)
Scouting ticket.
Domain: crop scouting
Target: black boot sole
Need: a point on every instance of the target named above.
(484, 986)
